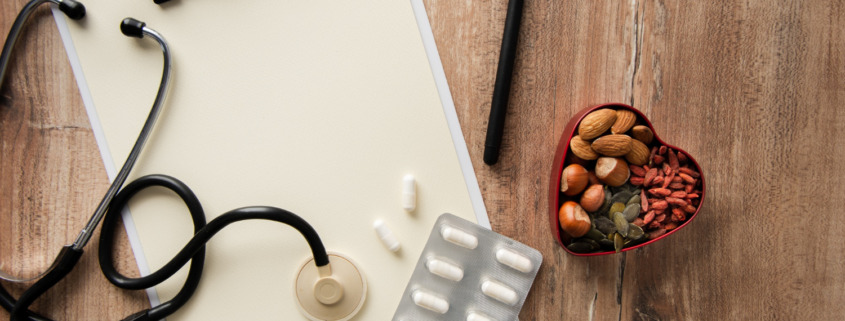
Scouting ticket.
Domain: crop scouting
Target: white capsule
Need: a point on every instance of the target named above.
(500, 292)
(444, 269)
(459, 237)
(474, 316)
(386, 236)
(430, 301)
(409, 193)
(515, 260)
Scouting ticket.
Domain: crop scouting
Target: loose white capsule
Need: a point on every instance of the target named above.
(386, 236)
(515, 260)
(409, 193)
(500, 292)
(473, 316)
(430, 301)
(459, 237)
(444, 269)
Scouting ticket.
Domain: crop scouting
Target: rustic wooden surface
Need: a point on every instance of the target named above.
(752, 89)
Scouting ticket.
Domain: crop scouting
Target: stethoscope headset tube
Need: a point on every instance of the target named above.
(116, 198)
(71, 8)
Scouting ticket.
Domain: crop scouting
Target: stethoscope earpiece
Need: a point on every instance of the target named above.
(132, 28)
(73, 9)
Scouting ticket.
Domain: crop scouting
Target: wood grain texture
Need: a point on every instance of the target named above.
(52, 177)
(751, 89)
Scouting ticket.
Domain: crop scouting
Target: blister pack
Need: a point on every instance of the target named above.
(467, 272)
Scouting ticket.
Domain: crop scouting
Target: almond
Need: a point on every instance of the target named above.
(612, 145)
(582, 149)
(639, 153)
(643, 134)
(625, 119)
(596, 123)
(612, 171)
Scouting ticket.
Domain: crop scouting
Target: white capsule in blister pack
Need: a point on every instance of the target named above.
(468, 272)
(499, 291)
(475, 316)
(425, 299)
(515, 260)
(459, 237)
(444, 269)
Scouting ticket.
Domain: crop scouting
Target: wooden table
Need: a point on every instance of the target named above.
(752, 89)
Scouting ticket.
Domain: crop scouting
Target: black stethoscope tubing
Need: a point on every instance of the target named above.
(116, 199)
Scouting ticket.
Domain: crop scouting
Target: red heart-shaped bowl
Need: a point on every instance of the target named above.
(652, 228)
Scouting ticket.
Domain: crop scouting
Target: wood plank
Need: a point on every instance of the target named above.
(571, 55)
(752, 90)
(52, 177)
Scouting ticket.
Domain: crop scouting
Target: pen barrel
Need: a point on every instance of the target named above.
(501, 89)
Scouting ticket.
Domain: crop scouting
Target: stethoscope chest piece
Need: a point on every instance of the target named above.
(332, 292)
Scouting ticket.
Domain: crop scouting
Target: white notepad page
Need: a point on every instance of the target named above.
(317, 107)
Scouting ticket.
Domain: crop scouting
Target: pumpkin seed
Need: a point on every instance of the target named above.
(618, 242)
(592, 243)
(583, 245)
(616, 207)
(627, 187)
(621, 197)
(634, 199)
(621, 223)
(595, 235)
(617, 189)
(580, 247)
(605, 225)
(631, 212)
(606, 245)
(635, 233)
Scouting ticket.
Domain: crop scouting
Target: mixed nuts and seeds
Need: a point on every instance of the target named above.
(621, 187)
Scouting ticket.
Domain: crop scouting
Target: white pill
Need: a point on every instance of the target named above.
(444, 269)
(459, 237)
(386, 236)
(515, 260)
(409, 193)
(500, 292)
(430, 301)
(473, 316)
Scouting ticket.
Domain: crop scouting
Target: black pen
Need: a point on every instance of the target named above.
(502, 88)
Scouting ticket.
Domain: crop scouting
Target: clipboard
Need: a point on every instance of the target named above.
(318, 107)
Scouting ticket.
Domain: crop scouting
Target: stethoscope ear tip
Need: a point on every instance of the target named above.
(132, 28)
(73, 9)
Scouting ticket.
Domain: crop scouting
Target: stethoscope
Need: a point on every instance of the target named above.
(330, 288)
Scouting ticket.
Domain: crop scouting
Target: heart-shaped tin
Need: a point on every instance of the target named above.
(666, 204)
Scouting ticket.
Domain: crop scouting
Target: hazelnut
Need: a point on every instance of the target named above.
(573, 180)
(593, 198)
(612, 171)
(592, 178)
(573, 219)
